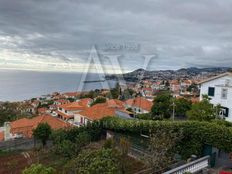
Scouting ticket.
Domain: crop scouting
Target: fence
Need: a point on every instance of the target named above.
(192, 167)
(20, 144)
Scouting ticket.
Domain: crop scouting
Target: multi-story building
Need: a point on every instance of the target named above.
(219, 90)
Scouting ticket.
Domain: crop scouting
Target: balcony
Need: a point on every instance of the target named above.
(192, 167)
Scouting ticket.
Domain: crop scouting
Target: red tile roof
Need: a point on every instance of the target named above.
(25, 126)
(115, 103)
(85, 101)
(2, 136)
(72, 106)
(42, 110)
(62, 101)
(98, 111)
(140, 102)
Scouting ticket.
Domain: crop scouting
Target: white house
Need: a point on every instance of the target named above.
(219, 90)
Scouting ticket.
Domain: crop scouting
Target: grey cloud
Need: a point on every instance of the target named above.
(177, 30)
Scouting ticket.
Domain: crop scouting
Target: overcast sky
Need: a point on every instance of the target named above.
(59, 34)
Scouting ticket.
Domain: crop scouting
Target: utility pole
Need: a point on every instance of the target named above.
(173, 110)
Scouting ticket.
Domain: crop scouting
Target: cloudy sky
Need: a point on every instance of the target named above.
(59, 34)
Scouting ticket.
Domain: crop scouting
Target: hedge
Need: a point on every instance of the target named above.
(195, 133)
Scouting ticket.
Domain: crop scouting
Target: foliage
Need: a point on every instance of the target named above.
(42, 132)
(69, 143)
(195, 133)
(145, 116)
(129, 109)
(124, 147)
(127, 94)
(10, 111)
(193, 88)
(46, 104)
(162, 149)
(91, 94)
(99, 100)
(109, 143)
(115, 92)
(162, 106)
(104, 161)
(71, 99)
(39, 169)
(203, 110)
(182, 105)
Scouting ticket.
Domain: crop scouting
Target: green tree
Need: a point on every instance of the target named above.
(42, 132)
(39, 169)
(162, 149)
(145, 116)
(162, 106)
(203, 110)
(193, 88)
(115, 92)
(182, 105)
(10, 111)
(70, 149)
(104, 161)
(99, 100)
(127, 94)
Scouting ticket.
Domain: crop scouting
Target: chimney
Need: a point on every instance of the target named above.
(7, 131)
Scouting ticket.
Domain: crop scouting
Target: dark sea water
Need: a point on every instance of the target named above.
(20, 85)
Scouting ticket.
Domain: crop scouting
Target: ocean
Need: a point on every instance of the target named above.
(17, 85)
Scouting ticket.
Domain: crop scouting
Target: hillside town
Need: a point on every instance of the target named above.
(115, 87)
(176, 100)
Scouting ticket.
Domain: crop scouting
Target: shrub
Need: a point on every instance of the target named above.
(195, 133)
(39, 169)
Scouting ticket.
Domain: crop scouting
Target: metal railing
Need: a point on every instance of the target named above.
(192, 167)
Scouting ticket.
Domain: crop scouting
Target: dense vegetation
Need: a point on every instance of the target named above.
(10, 111)
(164, 103)
(195, 133)
(42, 132)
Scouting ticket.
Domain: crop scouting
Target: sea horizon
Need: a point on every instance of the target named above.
(19, 85)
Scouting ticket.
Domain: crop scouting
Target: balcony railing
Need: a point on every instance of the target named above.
(192, 167)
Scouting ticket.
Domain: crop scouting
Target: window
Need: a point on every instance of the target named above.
(224, 93)
(211, 91)
(224, 112)
(227, 82)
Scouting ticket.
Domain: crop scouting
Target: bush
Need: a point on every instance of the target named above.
(195, 133)
(42, 132)
(69, 143)
(102, 161)
(39, 169)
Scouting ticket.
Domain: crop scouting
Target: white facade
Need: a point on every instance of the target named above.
(219, 90)
(136, 109)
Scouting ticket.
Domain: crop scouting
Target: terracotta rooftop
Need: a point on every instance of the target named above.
(115, 103)
(62, 101)
(85, 101)
(42, 110)
(140, 102)
(73, 106)
(25, 126)
(2, 136)
(98, 111)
